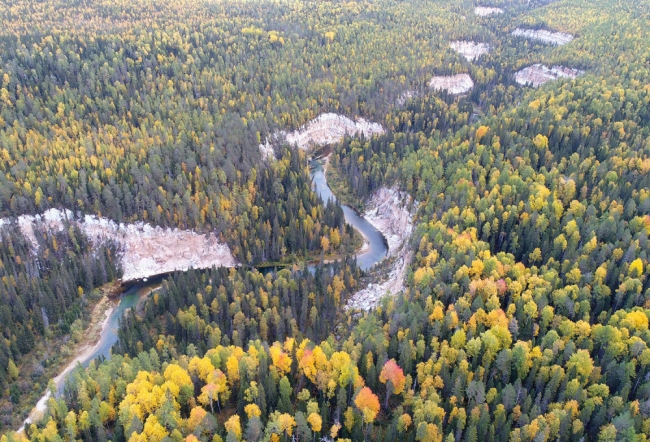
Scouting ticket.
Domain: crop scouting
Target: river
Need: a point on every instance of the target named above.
(376, 250)
(377, 247)
(129, 299)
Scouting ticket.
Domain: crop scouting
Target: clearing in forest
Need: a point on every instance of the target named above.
(543, 35)
(538, 74)
(471, 50)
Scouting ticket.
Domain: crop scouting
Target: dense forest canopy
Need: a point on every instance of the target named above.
(43, 302)
(527, 307)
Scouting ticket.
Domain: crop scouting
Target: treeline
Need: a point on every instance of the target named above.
(42, 293)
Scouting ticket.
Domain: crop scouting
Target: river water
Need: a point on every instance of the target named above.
(377, 243)
(129, 299)
(376, 251)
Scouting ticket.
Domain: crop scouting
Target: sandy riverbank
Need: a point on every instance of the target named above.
(391, 213)
(83, 351)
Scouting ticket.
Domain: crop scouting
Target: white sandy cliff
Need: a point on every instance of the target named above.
(469, 49)
(538, 74)
(326, 129)
(145, 250)
(543, 35)
(484, 11)
(390, 212)
(453, 84)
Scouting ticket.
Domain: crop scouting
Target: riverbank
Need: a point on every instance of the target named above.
(100, 316)
(144, 250)
(391, 212)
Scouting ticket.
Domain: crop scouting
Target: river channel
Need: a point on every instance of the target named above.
(374, 252)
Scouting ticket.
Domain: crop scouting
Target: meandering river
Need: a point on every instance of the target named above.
(375, 251)
(377, 247)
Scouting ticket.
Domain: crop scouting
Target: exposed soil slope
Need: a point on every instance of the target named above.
(389, 212)
(145, 250)
(454, 84)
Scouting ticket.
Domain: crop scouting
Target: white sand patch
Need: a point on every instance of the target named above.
(329, 128)
(454, 84)
(538, 74)
(267, 151)
(543, 35)
(484, 11)
(469, 49)
(388, 211)
(404, 97)
(145, 250)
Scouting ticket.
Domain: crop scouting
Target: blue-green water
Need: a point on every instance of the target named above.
(378, 248)
(141, 289)
(129, 299)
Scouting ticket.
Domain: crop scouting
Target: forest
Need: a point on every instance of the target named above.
(526, 311)
(44, 302)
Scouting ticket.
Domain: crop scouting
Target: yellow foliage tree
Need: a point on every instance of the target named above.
(315, 421)
(233, 425)
(636, 268)
(196, 416)
(252, 410)
(286, 423)
(481, 131)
